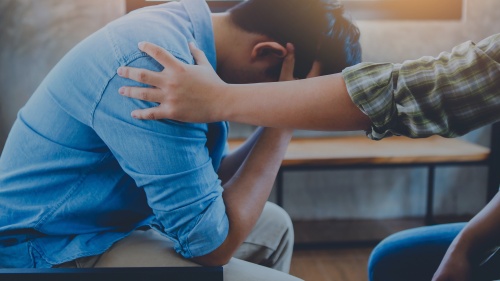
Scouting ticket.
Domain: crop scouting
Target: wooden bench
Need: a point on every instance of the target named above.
(359, 152)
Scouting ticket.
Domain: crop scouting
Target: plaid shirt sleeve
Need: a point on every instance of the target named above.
(449, 95)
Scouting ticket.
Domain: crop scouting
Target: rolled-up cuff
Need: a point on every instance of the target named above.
(370, 86)
(208, 234)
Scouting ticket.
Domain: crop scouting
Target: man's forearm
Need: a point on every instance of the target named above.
(232, 162)
(320, 103)
(248, 190)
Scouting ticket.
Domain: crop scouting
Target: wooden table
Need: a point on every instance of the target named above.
(359, 152)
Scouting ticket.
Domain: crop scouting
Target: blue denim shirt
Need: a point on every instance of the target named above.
(78, 173)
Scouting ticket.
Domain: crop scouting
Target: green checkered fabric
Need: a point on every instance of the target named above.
(449, 95)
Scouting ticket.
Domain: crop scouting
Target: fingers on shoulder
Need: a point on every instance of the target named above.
(159, 54)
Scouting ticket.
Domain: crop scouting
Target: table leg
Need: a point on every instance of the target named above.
(429, 214)
(279, 188)
(494, 162)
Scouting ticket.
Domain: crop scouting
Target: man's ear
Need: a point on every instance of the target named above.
(267, 50)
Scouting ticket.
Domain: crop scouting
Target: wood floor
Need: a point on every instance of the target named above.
(338, 250)
(348, 264)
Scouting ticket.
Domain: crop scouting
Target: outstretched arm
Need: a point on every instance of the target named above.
(448, 95)
(196, 94)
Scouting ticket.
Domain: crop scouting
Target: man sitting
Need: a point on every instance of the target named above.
(83, 184)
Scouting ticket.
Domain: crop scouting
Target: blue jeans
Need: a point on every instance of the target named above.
(415, 254)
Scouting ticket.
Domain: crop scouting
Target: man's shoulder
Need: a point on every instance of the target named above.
(165, 25)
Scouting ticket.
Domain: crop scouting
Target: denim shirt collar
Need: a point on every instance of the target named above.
(200, 16)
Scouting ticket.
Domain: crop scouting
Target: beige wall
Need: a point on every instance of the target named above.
(35, 34)
(396, 41)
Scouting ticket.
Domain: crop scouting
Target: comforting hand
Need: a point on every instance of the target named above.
(185, 92)
(179, 95)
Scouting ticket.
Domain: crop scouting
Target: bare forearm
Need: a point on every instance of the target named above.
(248, 190)
(472, 245)
(320, 103)
(482, 233)
(234, 160)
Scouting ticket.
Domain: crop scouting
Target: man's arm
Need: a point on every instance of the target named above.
(233, 161)
(170, 161)
(248, 190)
(245, 192)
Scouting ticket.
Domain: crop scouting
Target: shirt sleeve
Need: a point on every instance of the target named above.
(449, 95)
(171, 162)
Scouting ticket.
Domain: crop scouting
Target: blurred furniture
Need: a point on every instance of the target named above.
(359, 152)
(494, 162)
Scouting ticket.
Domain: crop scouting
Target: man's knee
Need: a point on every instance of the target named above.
(273, 231)
(278, 214)
(277, 218)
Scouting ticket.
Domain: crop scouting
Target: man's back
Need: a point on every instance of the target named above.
(74, 159)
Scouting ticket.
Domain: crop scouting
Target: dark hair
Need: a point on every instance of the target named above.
(319, 30)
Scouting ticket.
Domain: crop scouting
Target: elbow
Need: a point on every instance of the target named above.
(220, 261)
(213, 260)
